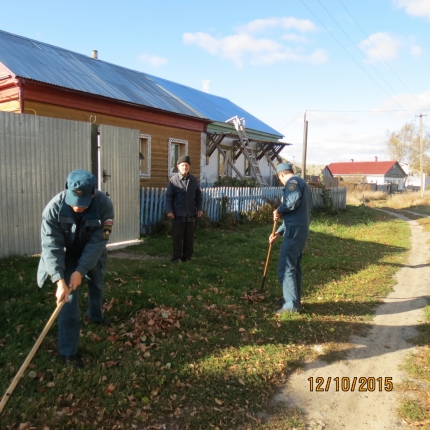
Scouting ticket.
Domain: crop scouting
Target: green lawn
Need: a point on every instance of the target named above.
(190, 347)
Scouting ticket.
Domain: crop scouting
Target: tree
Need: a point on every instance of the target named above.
(404, 147)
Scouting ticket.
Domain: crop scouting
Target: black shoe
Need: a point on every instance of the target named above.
(104, 322)
(73, 360)
(175, 260)
(185, 259)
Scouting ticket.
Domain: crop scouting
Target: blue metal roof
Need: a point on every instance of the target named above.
(41, 62)
(213, 107)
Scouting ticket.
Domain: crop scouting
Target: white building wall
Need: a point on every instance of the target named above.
(380, 180)
(375, 179)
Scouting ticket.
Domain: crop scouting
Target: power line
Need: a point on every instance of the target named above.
(344, 111)
(361, 67)
(374, 68)
(291, 120)
(376, 49)
(361, 111)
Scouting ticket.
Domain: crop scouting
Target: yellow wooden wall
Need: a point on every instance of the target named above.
(160, 135)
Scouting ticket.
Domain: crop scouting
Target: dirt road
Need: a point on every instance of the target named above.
(377, 355)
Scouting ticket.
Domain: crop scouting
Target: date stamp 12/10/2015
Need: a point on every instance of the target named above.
(351, 384)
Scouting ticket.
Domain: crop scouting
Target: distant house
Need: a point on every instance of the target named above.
(173, 120)
(376, 172)
(413, 178)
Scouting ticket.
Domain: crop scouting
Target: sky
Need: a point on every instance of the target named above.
(356, 70)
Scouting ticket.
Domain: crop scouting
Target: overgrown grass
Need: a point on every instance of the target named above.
(414, 406)
(359, 197)
(412, 201)
(221, 366)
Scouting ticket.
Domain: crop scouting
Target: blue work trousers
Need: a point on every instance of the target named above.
(289, 268)
(69, 321)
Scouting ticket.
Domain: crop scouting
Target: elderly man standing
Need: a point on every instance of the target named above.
(184, 201)
(295, 212)
(76, 225)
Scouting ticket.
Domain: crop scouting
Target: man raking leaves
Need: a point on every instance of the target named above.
(76, 225)
(295, 213)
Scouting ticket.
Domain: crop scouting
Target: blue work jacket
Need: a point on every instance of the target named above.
(183, 196)
(296, 204)
(83, 236)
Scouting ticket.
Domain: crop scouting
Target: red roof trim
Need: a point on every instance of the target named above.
(46, 93)
(362, 167)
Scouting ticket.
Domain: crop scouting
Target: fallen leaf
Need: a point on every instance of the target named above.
(109, 389)
(32, 374)
(218, 402)
(242, 329)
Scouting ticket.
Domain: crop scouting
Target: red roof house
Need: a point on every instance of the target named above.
(378, 172)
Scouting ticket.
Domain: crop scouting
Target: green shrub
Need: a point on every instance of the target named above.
(262, 215)
(227, 181)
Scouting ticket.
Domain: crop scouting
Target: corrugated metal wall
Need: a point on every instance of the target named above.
(119, 158)
(36, 155)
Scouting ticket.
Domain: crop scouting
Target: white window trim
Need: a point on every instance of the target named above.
(148, 155)
(174, 140)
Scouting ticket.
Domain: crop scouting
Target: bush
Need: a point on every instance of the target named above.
(262, 215)
(227, 181)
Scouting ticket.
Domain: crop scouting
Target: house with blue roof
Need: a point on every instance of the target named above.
(173, 120)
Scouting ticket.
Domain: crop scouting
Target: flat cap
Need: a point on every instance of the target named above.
(284, 166)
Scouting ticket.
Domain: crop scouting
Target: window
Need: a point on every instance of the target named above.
(224, 168)
(177, 148)
(145, 156)
(247, 167)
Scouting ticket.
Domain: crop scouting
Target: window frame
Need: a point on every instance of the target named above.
(172, 141)
(146, 175)
(229, 170)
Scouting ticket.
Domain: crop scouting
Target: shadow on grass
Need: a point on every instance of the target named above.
(220, 367)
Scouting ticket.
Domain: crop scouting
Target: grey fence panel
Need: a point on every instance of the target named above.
(36, 155)
(119, 158)
(338, 197)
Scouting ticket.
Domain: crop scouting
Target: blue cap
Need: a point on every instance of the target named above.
(80, 187)
(284, 166)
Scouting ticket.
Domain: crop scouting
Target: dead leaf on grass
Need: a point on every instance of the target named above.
(253, 296)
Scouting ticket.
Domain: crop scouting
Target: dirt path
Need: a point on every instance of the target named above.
(379, 354)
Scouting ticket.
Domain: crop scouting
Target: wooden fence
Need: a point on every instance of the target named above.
(217, 200)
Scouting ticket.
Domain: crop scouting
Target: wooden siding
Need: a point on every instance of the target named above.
(159, 137)
(11, 106)
(396, 172)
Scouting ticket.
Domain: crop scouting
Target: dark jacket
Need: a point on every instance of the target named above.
(183, 196)
(82, 236)
(296, 204)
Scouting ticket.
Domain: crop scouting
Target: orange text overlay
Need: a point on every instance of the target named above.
(351, 384)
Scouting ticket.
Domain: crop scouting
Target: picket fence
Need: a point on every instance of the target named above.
(232, 200)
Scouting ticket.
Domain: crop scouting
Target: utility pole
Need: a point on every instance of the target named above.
(305, 146)
(421, 154)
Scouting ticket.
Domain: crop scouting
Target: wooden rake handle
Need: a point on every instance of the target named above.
(12, 386)
(268, 257)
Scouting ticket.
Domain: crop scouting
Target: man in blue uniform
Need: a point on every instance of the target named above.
(76, 225)
(184, 201)
(295, 212)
